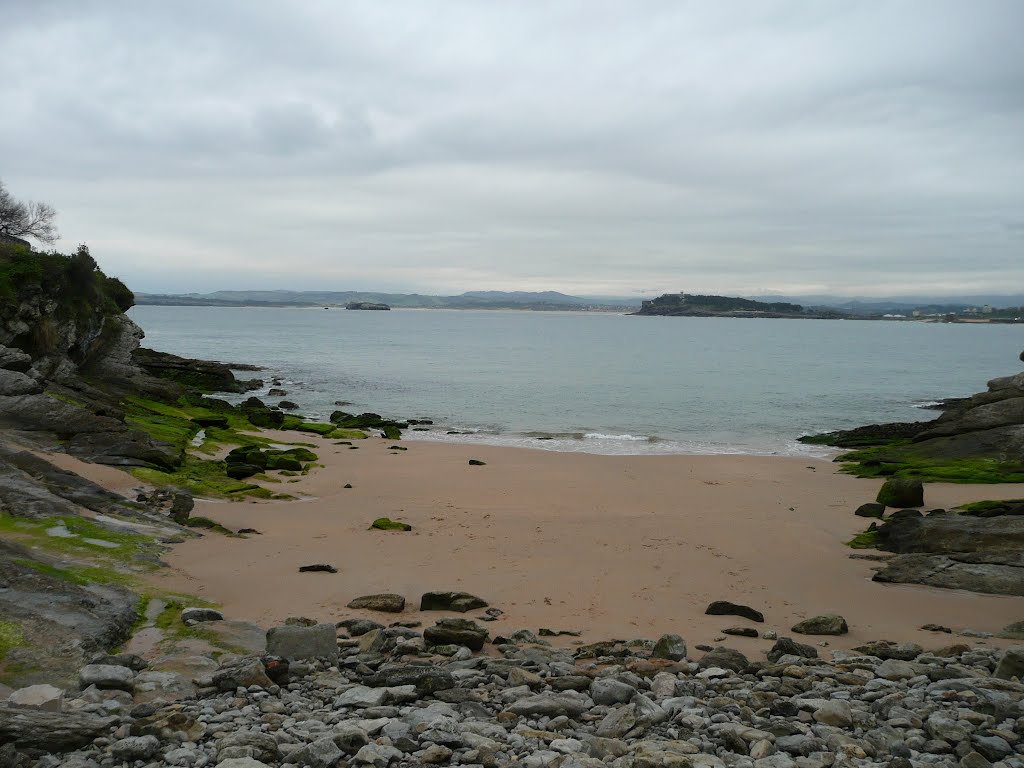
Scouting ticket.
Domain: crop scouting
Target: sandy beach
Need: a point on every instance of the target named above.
(612, 546)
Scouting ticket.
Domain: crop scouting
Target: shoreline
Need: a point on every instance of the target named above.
(610, 546)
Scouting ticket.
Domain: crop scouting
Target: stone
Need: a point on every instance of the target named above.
(135, 748)
(786, 646)
(893, 669)
(992, 748)
(886, 649)
(569, 704)
(295, 643)
(725, 608)
(741, 631)
(241, 673)
(201, 614)
(427, 679)
(182, 505)
(671, 647)
(1014, 631)
(359, 627)
(241, 762)
(42, 697)
(456, 632)
(836, 713)
(387, 603)
(826, 624)
(901, 492)
(451, 601)
(1011, 664)
(317, 568)
(50, 731)
(870, 510)
(724, 658)
(107, 677)
(322, 753)
(608, 691)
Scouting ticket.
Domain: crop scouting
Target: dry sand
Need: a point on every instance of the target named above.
(614, 546)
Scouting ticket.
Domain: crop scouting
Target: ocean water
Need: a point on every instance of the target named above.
(596, 382)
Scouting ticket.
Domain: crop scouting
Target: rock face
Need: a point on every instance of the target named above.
(955, 551)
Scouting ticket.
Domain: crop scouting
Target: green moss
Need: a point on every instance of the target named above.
(391, 432)
(387, 524)
(865, 540)
(346, 434)
(65, 399)
(11, 636)
(33, 532)
(984, 506)
(907, 460)
(201, 478)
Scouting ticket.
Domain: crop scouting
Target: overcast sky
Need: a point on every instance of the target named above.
(641, 146)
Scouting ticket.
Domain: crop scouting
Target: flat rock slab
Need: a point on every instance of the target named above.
(51, 731)
(295, 643)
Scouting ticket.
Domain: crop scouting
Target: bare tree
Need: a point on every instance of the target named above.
(26, 218)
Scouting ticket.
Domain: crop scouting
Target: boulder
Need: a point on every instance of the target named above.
(386, 603)
(741, 631)
(135, 748)
(464, 632)
(568, 704)
(42, 697)
(671, 647)
(181, 507)
(16, 383)
(725, 608)
(13, 359)
(786, 646)
(51, 731)
(826, 624)
(427, 679)
(870, 510)
(451, 601)
(886, 649)
(294, 643)
(726, 658)
(107, 677)
(241, 673)
(901, 492)
(1011, 664)
(387, 524)
(201, 614)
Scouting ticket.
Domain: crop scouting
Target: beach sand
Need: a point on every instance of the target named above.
(612, 546)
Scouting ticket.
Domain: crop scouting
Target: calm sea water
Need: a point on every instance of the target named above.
(599, 383)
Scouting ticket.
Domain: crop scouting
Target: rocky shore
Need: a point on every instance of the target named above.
(392, 696)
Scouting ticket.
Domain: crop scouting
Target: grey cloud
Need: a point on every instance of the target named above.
(599, 146)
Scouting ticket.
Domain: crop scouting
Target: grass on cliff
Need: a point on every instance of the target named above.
(11, 636)
(903, 459)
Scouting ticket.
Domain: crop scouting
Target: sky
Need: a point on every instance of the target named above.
(623, 148)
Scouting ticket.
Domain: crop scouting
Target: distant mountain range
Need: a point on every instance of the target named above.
(553, 300)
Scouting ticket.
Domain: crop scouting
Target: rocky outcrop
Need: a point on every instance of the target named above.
(202, 375)
(955, 551)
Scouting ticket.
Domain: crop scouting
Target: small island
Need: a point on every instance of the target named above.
(695, 305)
(366, 305)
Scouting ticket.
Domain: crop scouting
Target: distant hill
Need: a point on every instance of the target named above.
(536, 300)
(864, 305)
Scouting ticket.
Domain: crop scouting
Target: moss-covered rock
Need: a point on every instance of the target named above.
(387, 524)
(901, 492)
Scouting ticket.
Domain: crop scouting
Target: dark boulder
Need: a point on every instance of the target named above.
(451, 601)
(826, 624)
(870, 510)
(725, 608)
(241, 471)
(786, 646)
(464, 632)
(726, 658)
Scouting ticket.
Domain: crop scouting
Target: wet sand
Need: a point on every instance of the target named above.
(612, 546)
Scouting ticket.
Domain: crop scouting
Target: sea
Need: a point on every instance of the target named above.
(597, 382)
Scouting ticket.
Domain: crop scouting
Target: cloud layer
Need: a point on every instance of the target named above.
(592, 147)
